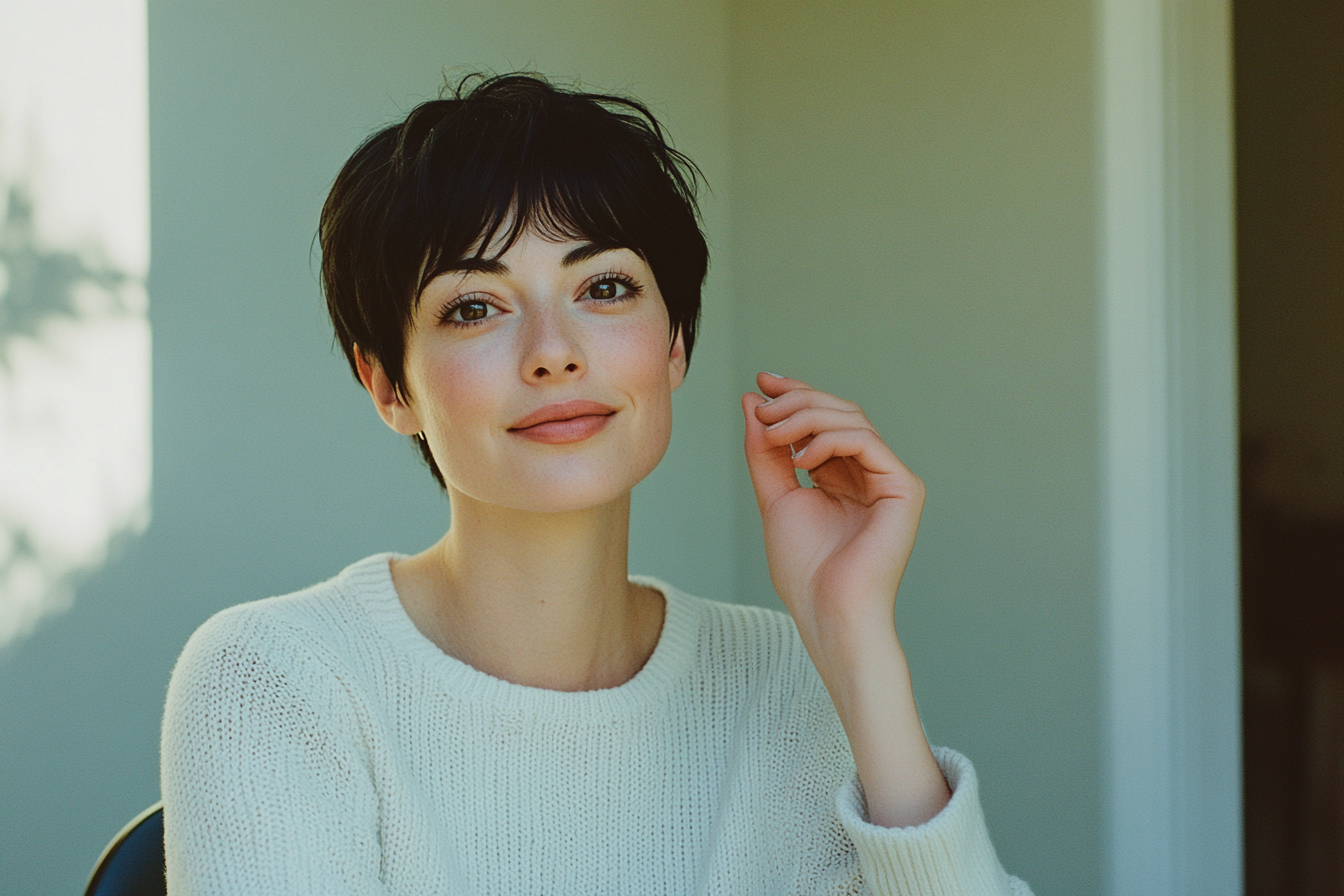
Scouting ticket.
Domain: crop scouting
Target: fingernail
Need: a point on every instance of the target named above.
(773, 425)
(775, 375)
(796, 454)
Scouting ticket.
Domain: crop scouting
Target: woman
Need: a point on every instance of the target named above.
(514, 274)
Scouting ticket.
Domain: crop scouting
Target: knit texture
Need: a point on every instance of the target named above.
(317, 743)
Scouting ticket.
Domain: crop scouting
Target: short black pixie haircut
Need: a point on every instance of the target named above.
(470, 171)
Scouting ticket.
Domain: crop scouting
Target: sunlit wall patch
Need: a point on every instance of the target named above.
(74, 325)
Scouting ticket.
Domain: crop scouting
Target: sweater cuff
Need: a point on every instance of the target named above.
(949, 854)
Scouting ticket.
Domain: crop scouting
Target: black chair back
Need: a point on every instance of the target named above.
(132, 864)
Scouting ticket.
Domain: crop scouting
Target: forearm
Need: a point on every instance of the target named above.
(866, 673)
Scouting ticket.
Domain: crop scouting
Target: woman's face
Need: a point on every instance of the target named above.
(543, 379)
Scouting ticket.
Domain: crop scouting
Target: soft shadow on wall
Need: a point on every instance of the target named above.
(74, 327)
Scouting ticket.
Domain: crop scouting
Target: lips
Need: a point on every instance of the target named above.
(579, 415)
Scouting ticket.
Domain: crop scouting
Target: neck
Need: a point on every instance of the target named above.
(539, 599)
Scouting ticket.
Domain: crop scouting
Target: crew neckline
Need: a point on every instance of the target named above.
(371, 579)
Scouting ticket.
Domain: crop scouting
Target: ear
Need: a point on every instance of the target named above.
(676, 362)
(395, 412)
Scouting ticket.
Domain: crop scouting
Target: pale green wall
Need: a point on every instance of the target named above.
(902, 213)
(914, 229)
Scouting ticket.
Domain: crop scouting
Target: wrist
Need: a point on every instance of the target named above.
(855, 641)
(863, 667)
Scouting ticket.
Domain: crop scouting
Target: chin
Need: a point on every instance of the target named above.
(572, 488)
(556, 497)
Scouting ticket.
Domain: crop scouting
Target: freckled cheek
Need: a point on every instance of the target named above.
(639, 367)
(467, 390)
(639, 360)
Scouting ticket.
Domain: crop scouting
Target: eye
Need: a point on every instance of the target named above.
(610, 288)
(606, 290)
(467, 311)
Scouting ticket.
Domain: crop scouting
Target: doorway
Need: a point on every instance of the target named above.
(1289, 90)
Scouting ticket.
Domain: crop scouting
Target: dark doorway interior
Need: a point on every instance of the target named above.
(1289, 63)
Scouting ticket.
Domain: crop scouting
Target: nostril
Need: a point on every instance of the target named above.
(571, 368)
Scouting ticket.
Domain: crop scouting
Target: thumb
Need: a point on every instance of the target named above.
(771, 468)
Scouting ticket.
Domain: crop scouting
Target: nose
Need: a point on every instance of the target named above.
(551, 347)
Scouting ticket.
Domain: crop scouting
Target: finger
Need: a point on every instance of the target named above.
(774, 385)
(863, 445)
(776, 409)
(811, 422)
(770, 466)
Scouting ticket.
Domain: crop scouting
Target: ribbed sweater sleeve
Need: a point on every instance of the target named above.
(949, 855)
(263, 789)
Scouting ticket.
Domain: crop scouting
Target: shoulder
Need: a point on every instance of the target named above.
(314, 630)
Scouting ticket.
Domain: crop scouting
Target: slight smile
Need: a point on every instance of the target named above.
(564, 422)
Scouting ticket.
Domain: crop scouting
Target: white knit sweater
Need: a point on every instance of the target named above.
(319, 744)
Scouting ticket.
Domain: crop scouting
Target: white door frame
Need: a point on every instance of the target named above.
(1170, 609)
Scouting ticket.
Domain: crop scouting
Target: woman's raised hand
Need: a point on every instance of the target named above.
(837, 552)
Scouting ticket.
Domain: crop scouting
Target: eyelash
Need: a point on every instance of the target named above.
(632, 288)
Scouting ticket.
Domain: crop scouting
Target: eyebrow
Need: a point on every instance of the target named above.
(495, 267)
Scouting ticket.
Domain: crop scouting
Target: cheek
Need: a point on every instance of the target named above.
(462, 388)
(641, 371)
(638, 363)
